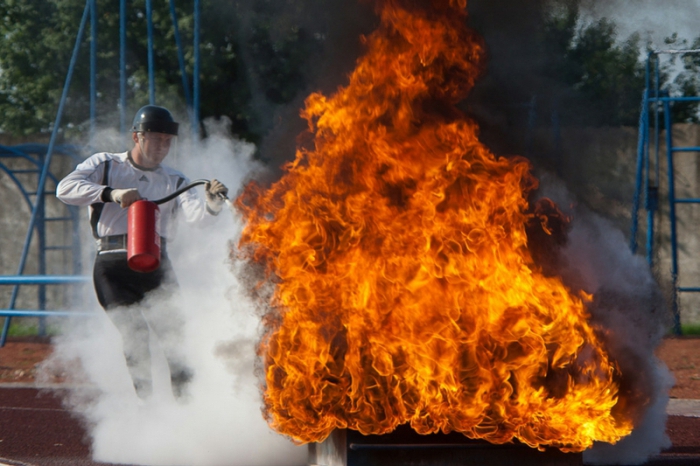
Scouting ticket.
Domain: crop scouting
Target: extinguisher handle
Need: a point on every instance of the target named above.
(180, 191)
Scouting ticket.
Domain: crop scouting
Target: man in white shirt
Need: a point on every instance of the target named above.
(108, 183)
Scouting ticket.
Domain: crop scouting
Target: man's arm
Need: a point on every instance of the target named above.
(196, 211)
(83, 186)
(87, 185)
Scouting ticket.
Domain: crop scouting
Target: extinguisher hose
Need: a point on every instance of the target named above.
(180, 191)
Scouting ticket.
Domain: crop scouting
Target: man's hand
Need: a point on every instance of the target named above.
(125, 197)
(216, 195)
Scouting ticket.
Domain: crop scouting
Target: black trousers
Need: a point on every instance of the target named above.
(119, 289)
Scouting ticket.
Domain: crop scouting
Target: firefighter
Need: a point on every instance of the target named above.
(108, 183)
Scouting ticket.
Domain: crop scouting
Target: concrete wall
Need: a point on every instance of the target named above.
(15, 214)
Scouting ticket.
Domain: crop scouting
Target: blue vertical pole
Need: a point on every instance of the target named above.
(652, 192)
(93, 68)
(195, 78)
(180, 55)
(657, 125)
(641, 144)
(41, 237)
(45, 168)
(151, 70)
(672, 217)
(122, 68)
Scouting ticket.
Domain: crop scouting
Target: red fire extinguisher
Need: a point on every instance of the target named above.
(143, 231)
(143, 236)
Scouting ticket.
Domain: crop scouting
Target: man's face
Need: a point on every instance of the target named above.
(154, 148)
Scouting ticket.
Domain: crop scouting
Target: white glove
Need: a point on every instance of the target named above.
(125, 197)
(216, 195)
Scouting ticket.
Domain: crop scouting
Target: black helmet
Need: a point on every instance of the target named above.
(152, 118)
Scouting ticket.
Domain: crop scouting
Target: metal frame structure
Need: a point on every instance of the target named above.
(657, 104)
(23, 164)
(40, 156)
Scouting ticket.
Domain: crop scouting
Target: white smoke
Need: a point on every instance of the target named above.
(654, 20)
(220, 421)
(630, 304)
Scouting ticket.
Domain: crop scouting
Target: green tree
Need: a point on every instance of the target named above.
(39, 36)
(603, 78)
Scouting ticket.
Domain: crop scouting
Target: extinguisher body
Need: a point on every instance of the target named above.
(143, 237)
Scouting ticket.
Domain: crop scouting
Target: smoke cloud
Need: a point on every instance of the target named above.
(652, 19)
(220, 421)
(631, 309)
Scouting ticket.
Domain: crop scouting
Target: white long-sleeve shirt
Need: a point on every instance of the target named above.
(84, 187)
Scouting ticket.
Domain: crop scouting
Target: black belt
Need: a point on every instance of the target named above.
(118, 243)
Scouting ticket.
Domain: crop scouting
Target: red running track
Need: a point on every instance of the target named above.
(35, 430)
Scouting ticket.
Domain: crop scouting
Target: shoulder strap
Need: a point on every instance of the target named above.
(96, 208)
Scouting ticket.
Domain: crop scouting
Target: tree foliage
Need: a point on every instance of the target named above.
(39, 36)
(604, 78)
(255, 55)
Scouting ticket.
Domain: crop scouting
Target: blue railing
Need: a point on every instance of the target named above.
(655, 117)
(17, 280)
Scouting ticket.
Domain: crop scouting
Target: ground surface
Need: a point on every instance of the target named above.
(35, 429)
(682, 356)
(20, 356)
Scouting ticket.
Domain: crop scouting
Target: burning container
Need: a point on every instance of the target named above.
(403, 447)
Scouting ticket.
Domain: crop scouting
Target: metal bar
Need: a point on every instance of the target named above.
(652, 205)
(689, 289)
(672, 218)
(181, 57)
(77, 246)
(122, 69)
(688, 200)
(43, 279)
(151, 67)
(41, 266)
(641, 143)
(28, 170)
(648, 201)
(93, 70)
(425, 446)
(47, 163)
(675, 99)
(195, 77)
(686, 149)
(58, 219)
(40, 313)
(46, 193)
(18, 183)
(657, 164)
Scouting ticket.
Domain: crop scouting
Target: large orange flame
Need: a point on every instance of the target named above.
(404, 290)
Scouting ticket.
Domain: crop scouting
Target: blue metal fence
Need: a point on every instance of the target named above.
(41, 156)
(657, 108)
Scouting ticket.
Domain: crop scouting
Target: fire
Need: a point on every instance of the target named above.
(402, 289)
